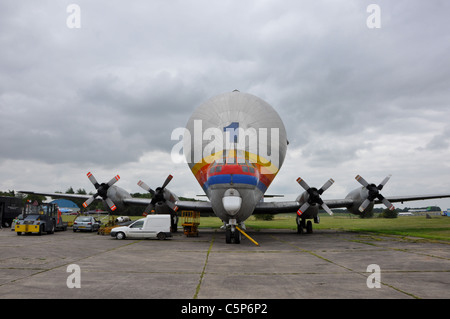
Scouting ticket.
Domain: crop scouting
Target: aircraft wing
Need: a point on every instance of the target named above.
(130, 201)
(293, 206)
(194, 205)
(261, 208)
(396, 199)
(137, 201)
(181, 204)
(58, 195)
(276, 207)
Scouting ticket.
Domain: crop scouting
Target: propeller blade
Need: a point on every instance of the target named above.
(314, 196)
(386, 202)
(143, 185)
(327, 209)
(303, 184)
(111, 204)
(93, 180)
(364, 205)
(374, 192)
(113, 180)
(302, 209)
(326, 186)
(157, 196)
(361, 180)
(170, 204)
(149, 209)
(168, 179)
(102, 191)
(88, 201)
(385, 180)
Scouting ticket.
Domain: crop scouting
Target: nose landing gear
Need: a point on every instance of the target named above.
(232, 235)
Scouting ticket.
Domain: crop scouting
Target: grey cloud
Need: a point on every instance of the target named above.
(439, 142)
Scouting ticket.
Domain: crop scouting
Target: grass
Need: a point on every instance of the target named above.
(437, 228)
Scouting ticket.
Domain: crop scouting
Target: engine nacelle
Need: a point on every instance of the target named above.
(122, 219)
(358, 196)
(312, 211)
(117, 195)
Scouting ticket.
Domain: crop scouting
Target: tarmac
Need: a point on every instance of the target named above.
(324, 265)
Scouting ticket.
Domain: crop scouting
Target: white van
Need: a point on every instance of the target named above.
(152, 226)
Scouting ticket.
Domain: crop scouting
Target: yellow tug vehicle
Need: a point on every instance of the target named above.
(40, 218)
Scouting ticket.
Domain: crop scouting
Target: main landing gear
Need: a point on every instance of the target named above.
(303, 225)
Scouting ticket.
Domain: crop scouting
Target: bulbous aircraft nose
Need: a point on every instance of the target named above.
(231, 201)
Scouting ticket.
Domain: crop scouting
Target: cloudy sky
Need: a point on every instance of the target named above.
(105, 97)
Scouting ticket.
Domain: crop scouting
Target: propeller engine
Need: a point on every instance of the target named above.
(160, 196)
(102, 191)
(373, 192)
(313, 197)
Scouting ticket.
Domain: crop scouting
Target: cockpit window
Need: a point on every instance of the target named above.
(247, 167)
(245, 164)
(215, 168)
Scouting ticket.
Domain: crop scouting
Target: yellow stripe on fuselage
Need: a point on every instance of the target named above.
(206, 161)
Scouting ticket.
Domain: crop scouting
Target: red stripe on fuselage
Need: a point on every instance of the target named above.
(205, 172)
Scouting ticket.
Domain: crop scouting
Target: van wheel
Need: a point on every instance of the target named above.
(120, 235)
(161, 236)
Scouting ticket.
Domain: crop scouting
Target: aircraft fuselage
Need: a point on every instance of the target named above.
(237, 144)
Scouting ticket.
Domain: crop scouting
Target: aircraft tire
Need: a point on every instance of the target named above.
(228, 236)
(237, 237)
(309, 228)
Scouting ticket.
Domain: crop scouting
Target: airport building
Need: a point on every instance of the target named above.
(66, 206)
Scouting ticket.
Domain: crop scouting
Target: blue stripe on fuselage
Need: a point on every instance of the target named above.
(235, 179)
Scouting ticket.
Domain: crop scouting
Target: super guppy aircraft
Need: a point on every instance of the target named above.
(235, 144)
